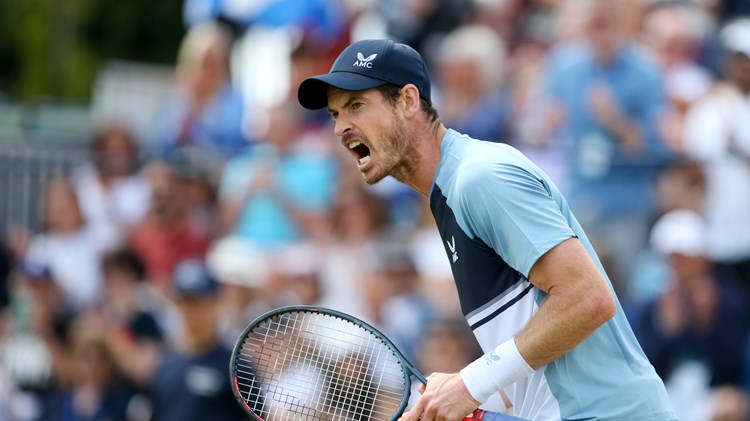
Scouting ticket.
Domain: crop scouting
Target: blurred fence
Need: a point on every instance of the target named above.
(24, 169)
(45, 138)
(37, 140)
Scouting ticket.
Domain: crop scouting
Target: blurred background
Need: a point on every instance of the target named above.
(140, 138)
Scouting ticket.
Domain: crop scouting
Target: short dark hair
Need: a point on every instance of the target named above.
(124, 260)
(391, 93)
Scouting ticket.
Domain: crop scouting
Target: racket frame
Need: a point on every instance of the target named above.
(408, 371)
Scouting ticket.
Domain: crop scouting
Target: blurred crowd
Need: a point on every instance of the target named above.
(153, 256)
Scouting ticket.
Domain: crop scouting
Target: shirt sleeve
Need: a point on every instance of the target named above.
(513, 212)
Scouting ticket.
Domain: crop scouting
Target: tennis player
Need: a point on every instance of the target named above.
(530, 284)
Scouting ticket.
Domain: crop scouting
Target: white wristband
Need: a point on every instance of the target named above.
(494, 370)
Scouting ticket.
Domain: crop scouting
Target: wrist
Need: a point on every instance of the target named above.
(495, 370)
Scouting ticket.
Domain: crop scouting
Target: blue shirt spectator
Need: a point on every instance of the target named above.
(276, 192)
(205, 110)
(605, 97)
(602, 168)
(216, 126)
(324, 20)
(270, 187)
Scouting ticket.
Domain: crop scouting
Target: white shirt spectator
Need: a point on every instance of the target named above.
(717, 133)
(74, 261)
(120, 205)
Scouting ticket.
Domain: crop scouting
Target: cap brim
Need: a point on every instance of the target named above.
(313, 92)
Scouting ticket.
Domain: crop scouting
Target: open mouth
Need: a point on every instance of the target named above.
(360, 151)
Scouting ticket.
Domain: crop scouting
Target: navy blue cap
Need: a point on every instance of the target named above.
(192, 278)
(364, 65)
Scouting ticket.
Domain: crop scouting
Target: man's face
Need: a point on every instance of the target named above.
(372, 130)
(604, 27)
(739, 70)
(200, 315)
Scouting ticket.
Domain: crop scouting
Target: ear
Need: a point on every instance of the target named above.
(410, 100)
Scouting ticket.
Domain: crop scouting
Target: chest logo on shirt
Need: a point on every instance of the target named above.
(452, 248)
(203, 381)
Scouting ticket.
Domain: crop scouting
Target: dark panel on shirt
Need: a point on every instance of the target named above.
(479, 272)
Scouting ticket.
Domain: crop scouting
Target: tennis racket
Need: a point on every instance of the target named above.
(304, 363)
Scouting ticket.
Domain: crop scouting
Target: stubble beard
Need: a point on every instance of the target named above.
(396, 156)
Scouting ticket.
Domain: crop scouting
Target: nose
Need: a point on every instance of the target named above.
(342, 126)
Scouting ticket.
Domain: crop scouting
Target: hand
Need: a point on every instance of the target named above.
(671, 313)
(608, 113)
(445, 398)
(264, 180)
(603, 104)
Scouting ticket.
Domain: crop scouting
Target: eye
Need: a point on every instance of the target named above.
(357, 105)
(334, 115)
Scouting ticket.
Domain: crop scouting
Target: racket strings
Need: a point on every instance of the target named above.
(312, 366)
(348, 373)
(344, 377)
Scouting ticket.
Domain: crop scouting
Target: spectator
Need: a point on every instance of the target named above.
(727, 10)
(360, 218)
(673, 33)
(112, 193)
(470, 71)
(717, 134)
(306, 59)
(243, 270)
(282, 190)
(421, 24)
(91, 389)
(690, 331)
(203, 120)
(681, 185)
(296, 276)
(322, 19)
(34, 347)
(167, 234)
(393, 302)
(70, 247)
(446, 346)
(607, 97)
(191, 382)
(134, 335)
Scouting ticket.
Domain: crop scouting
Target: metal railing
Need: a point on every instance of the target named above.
(24, 170)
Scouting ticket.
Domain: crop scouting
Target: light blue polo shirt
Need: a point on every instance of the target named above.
(497, 214)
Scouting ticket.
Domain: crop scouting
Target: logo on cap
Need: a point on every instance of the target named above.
(363, 61)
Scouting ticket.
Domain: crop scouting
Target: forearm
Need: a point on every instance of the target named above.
(563, 321)
(578, 301)
(628, 132)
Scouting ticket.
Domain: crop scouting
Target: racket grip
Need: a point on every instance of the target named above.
(481, 415)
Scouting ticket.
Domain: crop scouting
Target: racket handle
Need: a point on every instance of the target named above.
(481, 415)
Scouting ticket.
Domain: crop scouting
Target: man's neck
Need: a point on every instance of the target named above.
(196, 345)
(422, 173)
